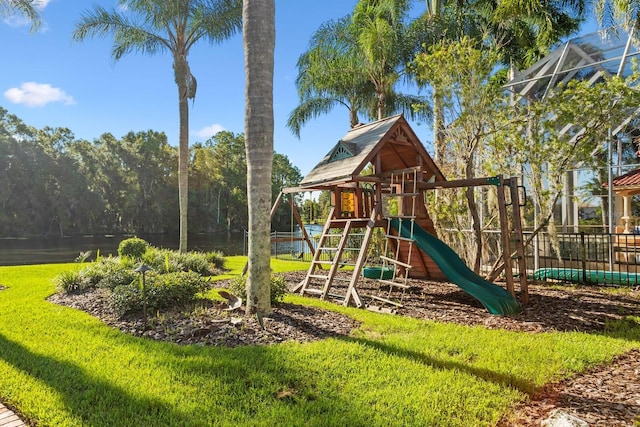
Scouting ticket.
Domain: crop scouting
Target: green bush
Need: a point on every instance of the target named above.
(133, 248)
(162, 260)
(278, 288)
(69, 281)
(216, 258)
(109, 272)
(162, 291)
(168, 261)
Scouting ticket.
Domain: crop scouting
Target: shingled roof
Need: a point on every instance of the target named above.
(389, 143)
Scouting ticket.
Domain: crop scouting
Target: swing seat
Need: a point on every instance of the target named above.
(385, 273)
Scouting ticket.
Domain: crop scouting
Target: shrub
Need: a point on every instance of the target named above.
(278, 288)
(125, 299)
(133, 248)
(198, 262)
(167, 261)
(216, 258)
(162, 291)
(109, 272)
(69, 281)
(161, 260)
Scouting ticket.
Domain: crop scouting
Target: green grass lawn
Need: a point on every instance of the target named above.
(62, 367)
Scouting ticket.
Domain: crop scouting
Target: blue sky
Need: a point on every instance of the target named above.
(49, 80)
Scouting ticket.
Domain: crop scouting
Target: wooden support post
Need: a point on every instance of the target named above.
(517, 229)
(301, 225)
(506, 240)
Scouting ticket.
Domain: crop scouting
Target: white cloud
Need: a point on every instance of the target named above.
(18, 19)
(34, 94)
(208, 131)
(41, 4)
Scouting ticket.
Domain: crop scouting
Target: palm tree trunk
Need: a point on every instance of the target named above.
(181, 75)
(258, 18)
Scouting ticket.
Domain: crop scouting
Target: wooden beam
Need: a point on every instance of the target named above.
(301, 225)
(471, 182)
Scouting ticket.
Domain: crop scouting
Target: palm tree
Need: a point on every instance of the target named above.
(259, 44)
(612, 12)
(152, 26)
(330, 74)
(342, 67)
(23, 7)
(380, 30)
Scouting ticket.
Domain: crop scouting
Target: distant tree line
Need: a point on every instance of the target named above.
(54, 184)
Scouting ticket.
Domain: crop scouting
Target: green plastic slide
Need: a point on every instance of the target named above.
(495, 298)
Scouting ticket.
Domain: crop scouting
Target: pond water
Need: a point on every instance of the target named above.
(66, 249)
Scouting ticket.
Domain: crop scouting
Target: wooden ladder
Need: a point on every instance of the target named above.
(317, 281)
(408, 188)
(397, 281)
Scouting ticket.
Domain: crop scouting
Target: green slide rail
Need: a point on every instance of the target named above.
(495, 298)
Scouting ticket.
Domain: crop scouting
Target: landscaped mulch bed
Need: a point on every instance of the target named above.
(606, 396)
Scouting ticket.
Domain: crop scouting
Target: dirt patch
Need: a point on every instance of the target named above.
(606, 396)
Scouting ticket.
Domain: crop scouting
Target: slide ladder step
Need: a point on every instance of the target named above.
(395, 284)
(385, 300)
(402, 239)
(396, 262)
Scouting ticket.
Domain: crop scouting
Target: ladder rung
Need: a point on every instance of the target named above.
(395, 261)
(405, 194)
(341, 279)
(322, 262)
(396, 284)
(388, 301)
(333, 235)
(335, 295)
(314, 291)
(318, 276)
(404, 239)
(327, 249)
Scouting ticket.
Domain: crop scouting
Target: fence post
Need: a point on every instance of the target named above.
(583, 258)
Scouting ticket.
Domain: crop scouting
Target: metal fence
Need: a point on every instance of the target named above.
(603, 259)
(588, 258)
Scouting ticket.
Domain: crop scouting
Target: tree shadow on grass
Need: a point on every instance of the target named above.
(88, 400)
(245, 375)
(505, 380)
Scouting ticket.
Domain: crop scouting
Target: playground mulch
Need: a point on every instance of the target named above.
(608, 395)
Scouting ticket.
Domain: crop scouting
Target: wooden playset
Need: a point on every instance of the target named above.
(371, 165)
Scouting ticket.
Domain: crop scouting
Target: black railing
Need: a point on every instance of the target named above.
(603, 259)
